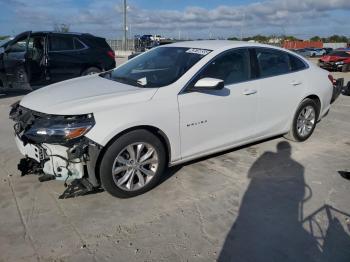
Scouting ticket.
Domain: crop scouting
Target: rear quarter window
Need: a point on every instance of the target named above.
(98, 42)
(296, 63)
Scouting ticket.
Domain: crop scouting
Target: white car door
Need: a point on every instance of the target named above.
(280, 90)
(211, 120)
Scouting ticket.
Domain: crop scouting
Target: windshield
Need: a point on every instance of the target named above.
(158, 67)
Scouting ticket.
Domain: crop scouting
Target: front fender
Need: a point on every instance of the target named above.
(162, 115)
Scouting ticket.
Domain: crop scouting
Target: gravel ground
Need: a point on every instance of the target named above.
(270, 201)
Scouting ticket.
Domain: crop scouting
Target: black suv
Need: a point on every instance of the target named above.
(41, 58)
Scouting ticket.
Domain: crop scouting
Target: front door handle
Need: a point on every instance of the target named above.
(296, 83)
(248, 92)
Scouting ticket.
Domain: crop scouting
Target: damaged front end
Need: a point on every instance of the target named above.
(54, 145)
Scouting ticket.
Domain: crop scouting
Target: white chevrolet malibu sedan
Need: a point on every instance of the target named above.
(121, 129)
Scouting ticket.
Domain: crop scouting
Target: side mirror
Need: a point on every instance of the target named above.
(209, 83)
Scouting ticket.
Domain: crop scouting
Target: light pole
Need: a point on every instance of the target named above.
(242, 26)
(125, 27)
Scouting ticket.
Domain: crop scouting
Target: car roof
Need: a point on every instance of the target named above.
(217, 44)
(61, 33)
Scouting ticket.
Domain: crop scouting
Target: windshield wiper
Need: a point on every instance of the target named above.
(128, 80)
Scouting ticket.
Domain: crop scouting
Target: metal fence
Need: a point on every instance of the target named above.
(118, 45)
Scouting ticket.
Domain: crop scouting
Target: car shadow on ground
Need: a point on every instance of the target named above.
(76, 189)
(174, 169)
(344, 174)
(271, 226)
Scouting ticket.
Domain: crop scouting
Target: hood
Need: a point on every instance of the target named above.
(84, 95)
(330, 58)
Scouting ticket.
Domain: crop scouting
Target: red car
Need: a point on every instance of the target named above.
(337, 60)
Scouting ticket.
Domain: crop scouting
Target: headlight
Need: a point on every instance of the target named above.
(339, 63)
(59, 130)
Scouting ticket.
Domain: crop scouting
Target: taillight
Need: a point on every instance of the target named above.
(331, 78)
(111, 54)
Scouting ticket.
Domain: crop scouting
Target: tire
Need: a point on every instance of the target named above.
(294, 133)
(117, 157)
(91, 71)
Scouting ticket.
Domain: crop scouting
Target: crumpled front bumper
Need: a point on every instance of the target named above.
(54, 160)
(330, 66)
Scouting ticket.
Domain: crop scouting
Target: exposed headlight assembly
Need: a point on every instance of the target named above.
(339, 63)
(59, 130)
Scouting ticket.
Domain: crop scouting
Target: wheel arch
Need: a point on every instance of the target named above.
(154, 130)
(310, 96)
(87, 66)
(317, 100)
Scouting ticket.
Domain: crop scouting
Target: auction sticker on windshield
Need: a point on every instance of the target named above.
(198, 51)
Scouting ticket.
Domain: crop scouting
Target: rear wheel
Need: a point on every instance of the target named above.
(133, 164)
(304, 121)
(91, 71)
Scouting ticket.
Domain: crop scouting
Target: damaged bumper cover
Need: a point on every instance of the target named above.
(332, 66)
(55, 145)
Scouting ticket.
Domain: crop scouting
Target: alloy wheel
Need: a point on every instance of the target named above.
(306, 121)
(135, 166)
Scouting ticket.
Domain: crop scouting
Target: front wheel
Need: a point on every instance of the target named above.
(304, 121)
(133, 164)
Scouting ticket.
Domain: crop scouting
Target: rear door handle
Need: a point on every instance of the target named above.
(296, 83)
(248, 92)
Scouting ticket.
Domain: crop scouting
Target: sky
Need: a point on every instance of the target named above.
(190, 19)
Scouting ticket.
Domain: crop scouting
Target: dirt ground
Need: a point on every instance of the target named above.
(271, 201)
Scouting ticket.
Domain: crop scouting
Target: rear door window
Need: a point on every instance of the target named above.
(272, 62)
(61, 43)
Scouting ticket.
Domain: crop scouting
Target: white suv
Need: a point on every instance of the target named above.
(122, 128)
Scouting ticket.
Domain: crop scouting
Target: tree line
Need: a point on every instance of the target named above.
(2, 37)
(265, 39)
